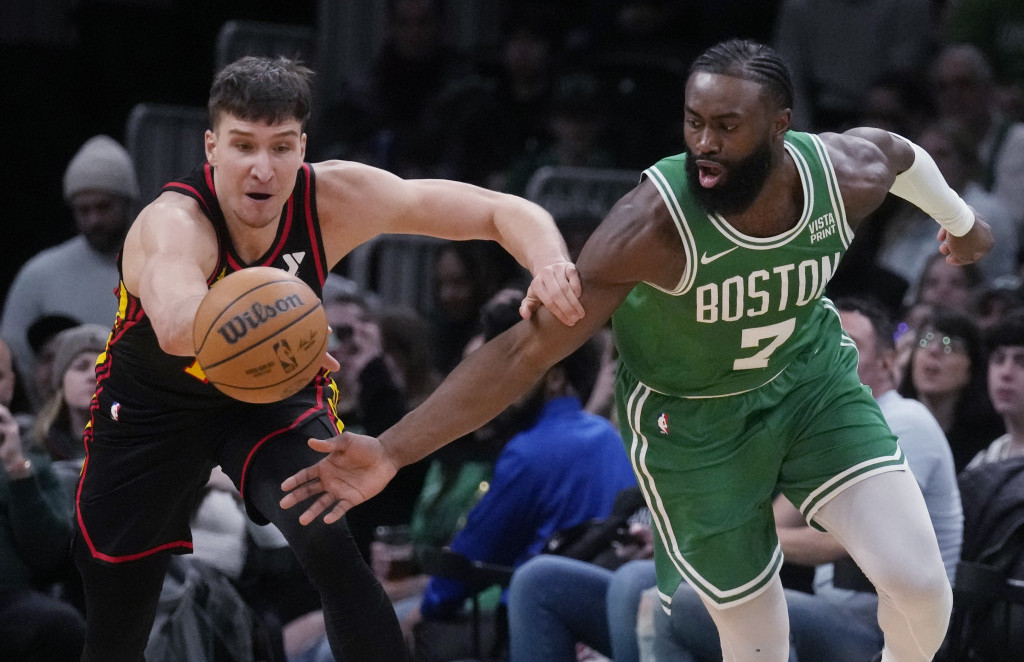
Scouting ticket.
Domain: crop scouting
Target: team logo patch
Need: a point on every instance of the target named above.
(663, 423)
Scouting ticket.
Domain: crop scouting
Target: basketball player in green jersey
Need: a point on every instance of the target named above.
(735, 377)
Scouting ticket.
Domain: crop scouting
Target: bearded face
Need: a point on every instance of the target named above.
(728, 187)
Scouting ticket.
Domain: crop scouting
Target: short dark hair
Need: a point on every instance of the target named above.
(1007, 332)
(749, 60)
(267, 89)
(881, 321)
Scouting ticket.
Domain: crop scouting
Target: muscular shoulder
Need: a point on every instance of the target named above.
(174, 213)
(866, 162)
(636, 242)
(351, 183)
(173, 224)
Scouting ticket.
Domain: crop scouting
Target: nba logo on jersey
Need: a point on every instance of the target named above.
(663, 423)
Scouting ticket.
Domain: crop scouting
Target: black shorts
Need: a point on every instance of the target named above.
(146, 467)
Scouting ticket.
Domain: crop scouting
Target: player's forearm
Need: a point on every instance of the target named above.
(923, 185)
(529, 233)
(171, 291)
(476, 391)
(174, 328)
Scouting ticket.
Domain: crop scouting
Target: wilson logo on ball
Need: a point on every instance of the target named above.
(235, 328)
(260, 335)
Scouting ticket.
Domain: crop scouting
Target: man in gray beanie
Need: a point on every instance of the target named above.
(77, 277)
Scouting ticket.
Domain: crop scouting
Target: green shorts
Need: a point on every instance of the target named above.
(710, 467)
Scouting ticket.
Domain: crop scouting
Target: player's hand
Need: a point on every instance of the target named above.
(968, 248)
(556, 287)
(356, 468)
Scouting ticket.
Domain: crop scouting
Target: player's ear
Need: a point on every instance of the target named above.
(782, 121)
(210, 145)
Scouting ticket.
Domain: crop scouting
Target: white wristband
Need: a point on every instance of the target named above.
(923, 185)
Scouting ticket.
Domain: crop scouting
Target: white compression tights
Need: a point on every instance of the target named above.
(883, 523)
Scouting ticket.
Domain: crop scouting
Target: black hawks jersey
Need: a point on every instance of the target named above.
(136, 369)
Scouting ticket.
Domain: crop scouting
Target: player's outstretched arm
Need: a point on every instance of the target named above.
(633, 244)
(385, 203)
(871, 162)
(477, 390)
(168, 254)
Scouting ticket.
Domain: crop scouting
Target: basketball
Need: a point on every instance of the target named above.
(260, 334)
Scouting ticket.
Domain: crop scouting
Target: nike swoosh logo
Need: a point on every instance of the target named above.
(708, 259)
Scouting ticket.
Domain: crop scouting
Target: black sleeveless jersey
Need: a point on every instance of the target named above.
(136, 371)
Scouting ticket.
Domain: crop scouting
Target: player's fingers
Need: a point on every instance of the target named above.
(545, 290)
(529, 304)
(301, 493)
(313, 511)
(336, 513)
(330, 445)
(330, 363)
(573, 276)
(300, 478)
(567, 290)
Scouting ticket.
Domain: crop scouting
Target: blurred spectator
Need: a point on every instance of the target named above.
(381, 116)
(42, 335)
(907, 334)
(466, 275)
(648, 28)
(480, 122)
(836, 48)
(947, 285)
(965, 91)
(406, 338)
(909, 236)
(562, 467)
(1004, 344)
(1001, 298)
(898, 101)
(78, 277)
(559, 603)
(35, 533)
(997, 28)
(61, 422)
(577, 124)
(8, 380)
(371, 399)
(947, 373)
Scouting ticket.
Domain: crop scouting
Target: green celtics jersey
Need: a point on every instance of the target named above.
(745, 307)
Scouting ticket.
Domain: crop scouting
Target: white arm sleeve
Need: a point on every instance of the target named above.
(923, 185)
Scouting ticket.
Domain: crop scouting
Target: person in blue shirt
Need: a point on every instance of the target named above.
(561, 467)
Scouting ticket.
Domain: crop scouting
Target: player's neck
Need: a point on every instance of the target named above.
(249, 242)
(777, 207)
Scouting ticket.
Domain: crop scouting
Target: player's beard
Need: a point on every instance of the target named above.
(743, 181)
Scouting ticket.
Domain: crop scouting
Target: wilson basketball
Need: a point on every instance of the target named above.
(260, 334)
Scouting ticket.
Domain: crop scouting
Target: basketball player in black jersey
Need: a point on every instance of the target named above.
(158, 428)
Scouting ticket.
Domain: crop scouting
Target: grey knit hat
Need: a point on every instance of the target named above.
(101, 164)
(72, 342)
